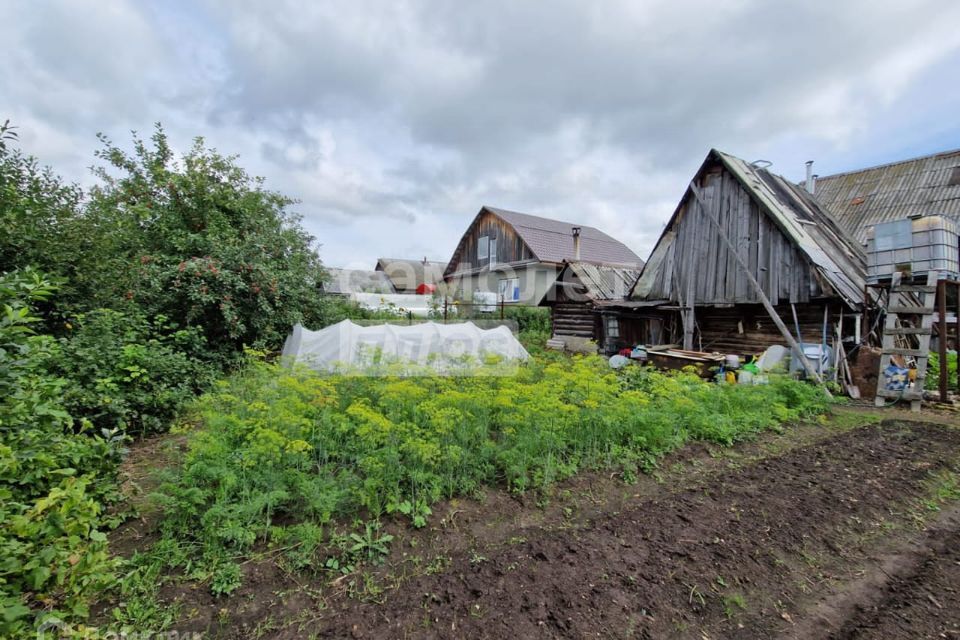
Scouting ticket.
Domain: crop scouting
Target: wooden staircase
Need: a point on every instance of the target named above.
(893, 330)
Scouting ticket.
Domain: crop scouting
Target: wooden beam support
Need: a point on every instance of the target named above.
(909, 331)
(915, 288)
(942, 336)
(758, 290)
(909, 310)
(898, 351)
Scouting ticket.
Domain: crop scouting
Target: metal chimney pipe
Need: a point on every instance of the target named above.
(576, 243)
(813, 183)
(808, 184)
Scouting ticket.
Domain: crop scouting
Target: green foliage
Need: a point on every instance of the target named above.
(162, 274)
(199, 240)
(369, 545)
(529, 319)
(37, 211)
(55, 475)
(289, 446)
(932, 381)
(128, 372)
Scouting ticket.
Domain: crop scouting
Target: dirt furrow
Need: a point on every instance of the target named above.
(750, 554)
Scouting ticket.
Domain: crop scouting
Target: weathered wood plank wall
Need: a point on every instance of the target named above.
(510, 248)
(782, 270)
(744, 329)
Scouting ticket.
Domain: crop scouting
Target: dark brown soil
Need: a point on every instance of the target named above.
(922, 600)
(829, 532)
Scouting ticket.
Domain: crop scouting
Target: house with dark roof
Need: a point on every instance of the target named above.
(517, 256)
(860, 199)
(412, 276)
(740, 231)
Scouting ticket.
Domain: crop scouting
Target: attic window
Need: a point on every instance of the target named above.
(954, 180)
(857, 200)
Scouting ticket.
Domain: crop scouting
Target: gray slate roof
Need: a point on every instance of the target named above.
(604, 281)
(346, 281)
(551, 240)
(922, 186)
(828, 246)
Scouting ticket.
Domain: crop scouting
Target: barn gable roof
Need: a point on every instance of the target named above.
(551, 241)
(929, 185)
(601, 282)
(833, 254)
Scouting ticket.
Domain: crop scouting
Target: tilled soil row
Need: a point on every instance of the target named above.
(923, 602)
(745, 556)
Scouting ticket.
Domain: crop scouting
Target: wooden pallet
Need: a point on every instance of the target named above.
(892, 330)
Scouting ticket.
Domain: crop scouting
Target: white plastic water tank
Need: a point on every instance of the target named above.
(915, 245)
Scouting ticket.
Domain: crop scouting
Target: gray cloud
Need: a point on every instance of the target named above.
(394, 122)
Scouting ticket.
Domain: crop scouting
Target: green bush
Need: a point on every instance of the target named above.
(196, 239)
(129, 372)
(932, 381)
(529, 319)
(55, 475)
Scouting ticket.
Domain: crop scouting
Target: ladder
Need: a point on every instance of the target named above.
(892, 330)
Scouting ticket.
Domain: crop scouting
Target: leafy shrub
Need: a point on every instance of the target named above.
(290, 446)
(127, 372)
(197, 239)
(932, 381)
(37, 210)
(55, 475)
(529, 319)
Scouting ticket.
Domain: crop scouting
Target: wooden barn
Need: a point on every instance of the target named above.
(517, 256)
(744, 249)
(576, 302)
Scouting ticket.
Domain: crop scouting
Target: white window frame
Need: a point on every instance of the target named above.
(483, 248)
(505, 289)
(613, 326)
(492, 249)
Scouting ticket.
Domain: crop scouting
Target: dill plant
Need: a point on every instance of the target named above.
(280, 448)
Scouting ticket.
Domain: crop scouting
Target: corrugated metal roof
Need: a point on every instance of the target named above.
(604, 281)
(920, 186)
(551, 240)
(346, 281)
(809, 225)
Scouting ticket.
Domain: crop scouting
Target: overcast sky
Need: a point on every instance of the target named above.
(393, 122)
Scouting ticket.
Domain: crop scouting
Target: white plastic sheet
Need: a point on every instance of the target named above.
(424, 348)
